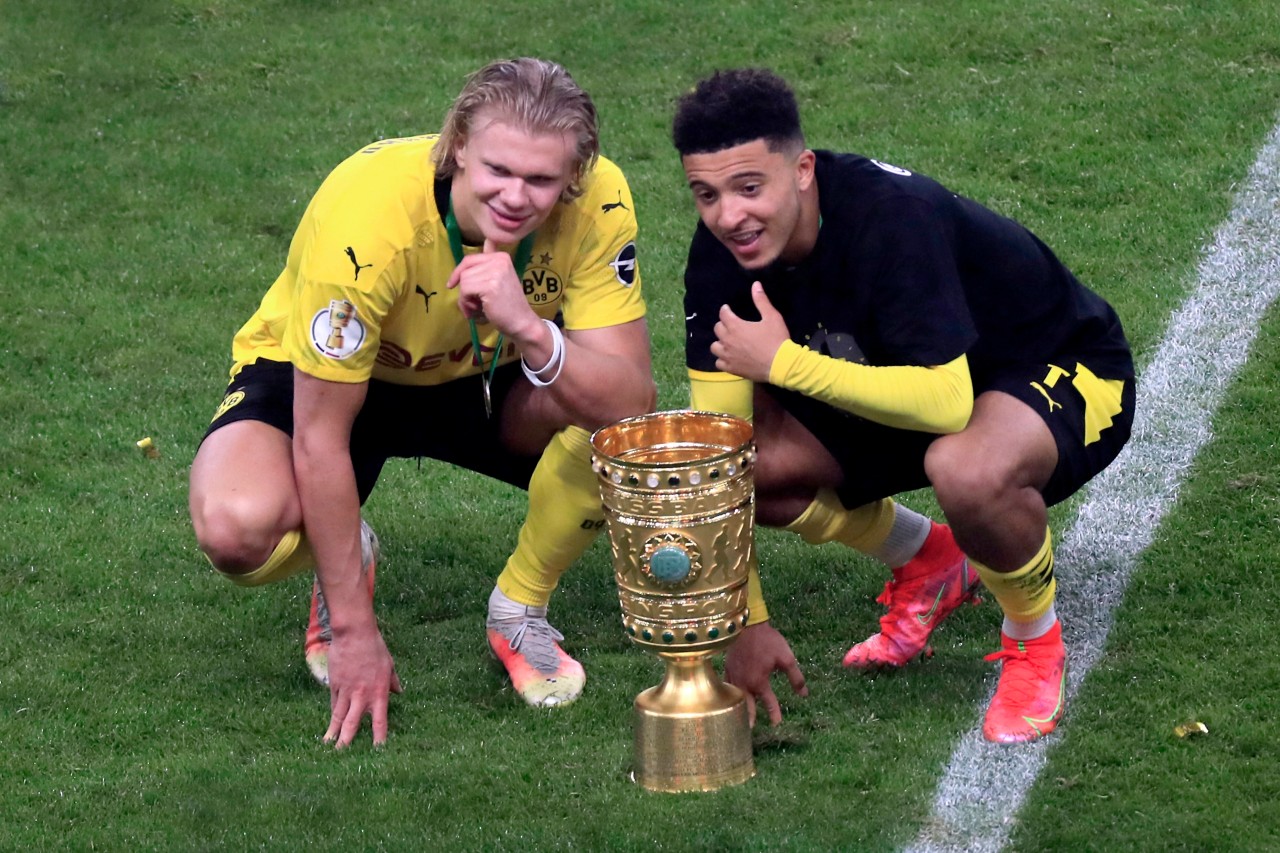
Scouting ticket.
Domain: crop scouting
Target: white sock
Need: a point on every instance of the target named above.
(502, 607)
(905, 538)
(1030, 630)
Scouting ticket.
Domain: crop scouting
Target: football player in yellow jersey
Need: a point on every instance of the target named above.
(889, 334)
(472, 298)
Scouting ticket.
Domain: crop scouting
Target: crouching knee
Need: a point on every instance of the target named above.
(966, 485)
(233, 539)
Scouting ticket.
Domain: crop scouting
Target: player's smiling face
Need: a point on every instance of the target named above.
(508, 180)
(753, 200)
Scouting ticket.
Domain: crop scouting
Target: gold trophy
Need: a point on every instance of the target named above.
(678, 491)
(340, 311)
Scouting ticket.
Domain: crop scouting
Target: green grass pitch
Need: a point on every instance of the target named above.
(154, 159)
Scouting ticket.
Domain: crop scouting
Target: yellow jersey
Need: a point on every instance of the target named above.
(363, 294)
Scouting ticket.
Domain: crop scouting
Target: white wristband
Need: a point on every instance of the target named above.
(556, 361)
(557, 351)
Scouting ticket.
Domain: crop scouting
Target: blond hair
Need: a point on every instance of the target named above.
(536, 96)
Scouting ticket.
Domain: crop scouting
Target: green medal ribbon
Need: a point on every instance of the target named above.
(524, 252)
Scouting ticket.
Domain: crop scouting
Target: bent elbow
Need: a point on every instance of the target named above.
(649, 394)
(640, 398)
(626, 400)
(956, 419)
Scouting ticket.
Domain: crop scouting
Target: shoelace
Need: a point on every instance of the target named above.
(885, 597)
(1007, 654)
(1021, 688)
(534, 638)
(904, 603)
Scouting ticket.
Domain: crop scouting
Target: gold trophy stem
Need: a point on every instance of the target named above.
(691, 731)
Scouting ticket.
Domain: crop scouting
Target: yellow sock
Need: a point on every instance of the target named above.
(565, 515)
(291, 556)
(863, 528)
(883, 529)
(1027, 593)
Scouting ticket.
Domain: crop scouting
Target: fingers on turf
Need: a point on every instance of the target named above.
(770, 700)
(796, 677)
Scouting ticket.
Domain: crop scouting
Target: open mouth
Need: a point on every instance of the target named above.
(745, 242)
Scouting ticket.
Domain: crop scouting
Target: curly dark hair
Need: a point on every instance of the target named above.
(736, 106)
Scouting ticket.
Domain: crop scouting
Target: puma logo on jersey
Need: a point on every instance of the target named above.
(605, 208)
(351, 253)
(426, 298)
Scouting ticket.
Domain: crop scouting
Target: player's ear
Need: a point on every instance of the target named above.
(804, 169)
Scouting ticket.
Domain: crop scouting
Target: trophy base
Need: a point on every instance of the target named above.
(692, 731)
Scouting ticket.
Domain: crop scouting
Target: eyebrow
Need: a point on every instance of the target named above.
(736, 176)
(536, 176)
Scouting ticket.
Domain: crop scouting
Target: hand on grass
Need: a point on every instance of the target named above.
(758, 653)
(362, 676)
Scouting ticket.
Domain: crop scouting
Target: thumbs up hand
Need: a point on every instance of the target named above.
(745, 348)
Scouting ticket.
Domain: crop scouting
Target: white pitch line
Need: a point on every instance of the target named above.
(1208, 340)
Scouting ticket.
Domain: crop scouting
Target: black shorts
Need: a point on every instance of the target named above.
(1089, 430)
(880, 461)
(445, 422)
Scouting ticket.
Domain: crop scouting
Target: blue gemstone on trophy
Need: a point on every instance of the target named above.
(669, 564)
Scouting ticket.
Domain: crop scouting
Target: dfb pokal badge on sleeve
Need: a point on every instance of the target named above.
(340, 311)
(679, 499)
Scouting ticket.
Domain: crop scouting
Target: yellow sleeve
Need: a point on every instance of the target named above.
(730, 394)
(346, 268)
(757, 612)
(596, 238)
(928, 399)
(720, 392)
